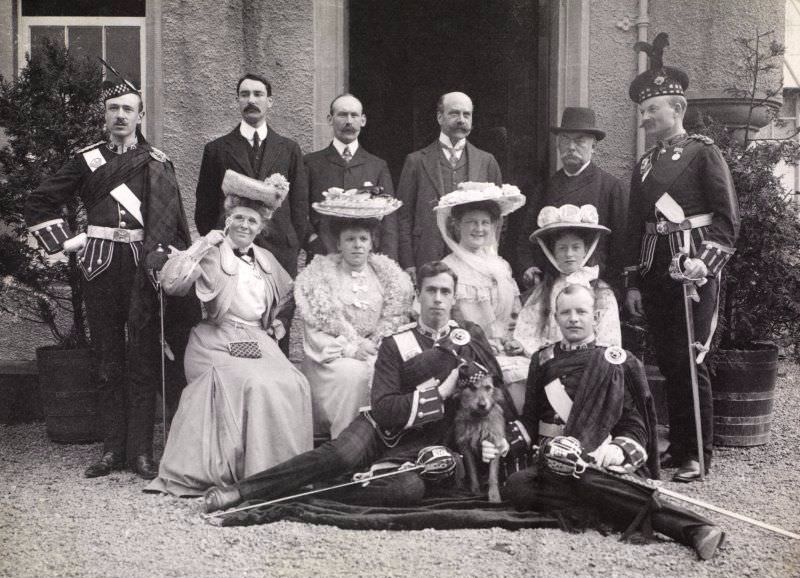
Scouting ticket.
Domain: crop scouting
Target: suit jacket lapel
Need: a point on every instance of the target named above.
(430, 162)
(474, 163)
(333, 156)
(272, 149)
(239, 153)
(572, 184)
(358, 159)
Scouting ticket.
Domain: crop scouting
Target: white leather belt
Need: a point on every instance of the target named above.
(664, 227)
(550, 430)
(117, 235)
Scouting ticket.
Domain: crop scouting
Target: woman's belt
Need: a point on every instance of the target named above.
(116, 235)
(664, 227)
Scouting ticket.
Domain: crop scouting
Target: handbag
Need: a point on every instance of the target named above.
(245, 348)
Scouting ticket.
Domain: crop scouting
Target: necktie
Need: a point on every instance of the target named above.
(346, 154)
(256, 158)
(249, 253)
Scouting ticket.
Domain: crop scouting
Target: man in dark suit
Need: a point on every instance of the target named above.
(256, 150)
(579, 182)
(345, 164)
(434, 171)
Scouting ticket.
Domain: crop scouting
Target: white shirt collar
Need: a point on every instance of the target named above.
(445, 140)
(247, 131)
(579, 171)
(339, 146)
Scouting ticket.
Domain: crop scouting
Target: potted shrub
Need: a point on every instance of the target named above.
(51, 110)
(760, 311)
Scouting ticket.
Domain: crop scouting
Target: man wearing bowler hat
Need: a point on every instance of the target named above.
(578, 182)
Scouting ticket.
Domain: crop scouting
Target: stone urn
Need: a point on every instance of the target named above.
(732, 111)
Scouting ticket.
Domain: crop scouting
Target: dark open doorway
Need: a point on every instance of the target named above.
(405, 54)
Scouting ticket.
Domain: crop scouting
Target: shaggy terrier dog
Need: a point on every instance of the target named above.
(479, 417)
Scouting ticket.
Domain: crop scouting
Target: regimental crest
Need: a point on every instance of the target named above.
(658, 80)
(615, 355)
(160, 156)
(460, 336)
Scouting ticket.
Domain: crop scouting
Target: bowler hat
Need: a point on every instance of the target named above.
(579, 119)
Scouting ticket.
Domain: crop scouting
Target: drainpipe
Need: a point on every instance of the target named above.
(642, 24)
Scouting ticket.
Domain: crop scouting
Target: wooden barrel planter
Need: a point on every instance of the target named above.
(743, 386)
(20, 399)
(69, 393)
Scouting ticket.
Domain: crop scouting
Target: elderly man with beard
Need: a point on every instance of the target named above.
(579, 182)
(347, 165)
(134, 212)
(254, 149)
(589, 401)
(434, 171)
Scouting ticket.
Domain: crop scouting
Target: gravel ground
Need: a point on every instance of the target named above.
(55, 522)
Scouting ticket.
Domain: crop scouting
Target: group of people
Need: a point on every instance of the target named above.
(403, 294)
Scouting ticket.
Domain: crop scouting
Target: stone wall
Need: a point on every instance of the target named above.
(206, 46)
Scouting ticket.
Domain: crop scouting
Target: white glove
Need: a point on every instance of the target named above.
(608, 455)
(490, 451)
(75, 244)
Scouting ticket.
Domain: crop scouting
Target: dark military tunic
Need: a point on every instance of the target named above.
(694, 173)
(133, 206)
(610, 397)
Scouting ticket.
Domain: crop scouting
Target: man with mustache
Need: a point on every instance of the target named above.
(682, 227)
(434, 171)
(579, 182)
(347, 165)
(256, 150)
(134, 213)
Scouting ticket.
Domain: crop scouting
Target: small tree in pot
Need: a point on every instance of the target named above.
(48, 113)
(51, 110)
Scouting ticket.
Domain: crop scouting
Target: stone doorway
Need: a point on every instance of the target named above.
(404, 55)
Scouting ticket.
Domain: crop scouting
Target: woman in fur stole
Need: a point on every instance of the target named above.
(348, 300)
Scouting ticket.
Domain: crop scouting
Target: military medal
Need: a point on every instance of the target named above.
(460, 336)
(677, 155)
(615, 355)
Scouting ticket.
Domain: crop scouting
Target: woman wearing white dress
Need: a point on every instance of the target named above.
(246, 407)
(568, 236)
(349, 300)
(470, 220)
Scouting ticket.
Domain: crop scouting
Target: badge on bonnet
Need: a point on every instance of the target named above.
(615, 355)
(460, 336)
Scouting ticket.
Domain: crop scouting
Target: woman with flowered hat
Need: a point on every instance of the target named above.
(568, 236)
(470, 220)
(349, 300)
(246, 407)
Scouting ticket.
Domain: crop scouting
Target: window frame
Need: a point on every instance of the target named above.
(25, 23)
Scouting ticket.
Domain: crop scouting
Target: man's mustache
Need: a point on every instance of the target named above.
(251, 108)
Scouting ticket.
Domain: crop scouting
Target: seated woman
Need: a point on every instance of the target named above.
(469, 220)
(246, 407)
(348, 300)
(568, 236)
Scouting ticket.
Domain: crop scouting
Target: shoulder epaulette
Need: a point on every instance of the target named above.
(406, 327)
(702, 138)
(90, 147)
(547, 353)
(160, 156)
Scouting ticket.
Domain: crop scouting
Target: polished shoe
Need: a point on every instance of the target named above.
(145, 467)
(706, 540)
(689, 471)
(220, 498)
(109, 462)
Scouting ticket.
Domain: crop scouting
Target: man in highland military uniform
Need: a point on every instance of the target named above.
(683, 223)
(134, 214)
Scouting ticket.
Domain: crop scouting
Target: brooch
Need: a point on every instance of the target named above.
(460, 336)
(615, 355)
